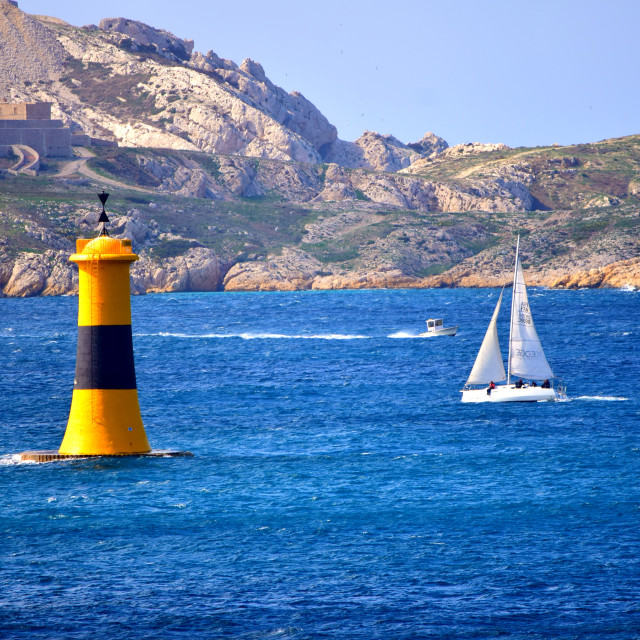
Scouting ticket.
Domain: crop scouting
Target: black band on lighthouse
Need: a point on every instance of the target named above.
(104, 358)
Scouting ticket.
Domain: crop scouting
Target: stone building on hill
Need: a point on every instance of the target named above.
(30, 124)
(25, 111)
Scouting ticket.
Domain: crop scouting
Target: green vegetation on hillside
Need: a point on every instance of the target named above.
(588, 208)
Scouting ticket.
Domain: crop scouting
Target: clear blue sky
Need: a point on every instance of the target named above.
(523, 73)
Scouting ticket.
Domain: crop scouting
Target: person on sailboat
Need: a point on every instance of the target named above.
(519, 384)
(546, 384)
(492, 386)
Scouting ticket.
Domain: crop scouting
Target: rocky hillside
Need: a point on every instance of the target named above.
(205, 222)
(143, 87)
(225, 181)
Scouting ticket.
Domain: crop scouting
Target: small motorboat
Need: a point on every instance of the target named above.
(435, 327)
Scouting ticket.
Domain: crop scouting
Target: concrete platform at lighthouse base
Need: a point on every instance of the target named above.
(50, 456)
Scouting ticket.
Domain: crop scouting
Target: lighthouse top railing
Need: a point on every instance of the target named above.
(115, 246)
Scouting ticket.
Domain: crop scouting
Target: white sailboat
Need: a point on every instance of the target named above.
(526, 357)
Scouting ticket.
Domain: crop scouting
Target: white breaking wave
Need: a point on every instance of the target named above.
(12, 459)
(267, 336)
(602, 398)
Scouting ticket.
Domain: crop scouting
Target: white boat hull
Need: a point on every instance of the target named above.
(509, 393)
(445, 331)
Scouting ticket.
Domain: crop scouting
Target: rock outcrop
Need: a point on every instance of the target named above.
(471, 148)
(383, 152)
(392, 279)
(624, 274)
(293, 270)
(429, 145)
(32, 274)
(146, 39)
(372, 151)
(199, 270)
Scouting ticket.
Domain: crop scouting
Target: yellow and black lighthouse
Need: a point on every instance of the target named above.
(104, 419)
(105, 414)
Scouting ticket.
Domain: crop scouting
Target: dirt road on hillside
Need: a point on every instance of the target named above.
(79, 166)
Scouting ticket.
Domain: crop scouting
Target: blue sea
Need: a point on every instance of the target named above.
(338, 488)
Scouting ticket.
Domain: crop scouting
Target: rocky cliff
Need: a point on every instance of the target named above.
(144, 87)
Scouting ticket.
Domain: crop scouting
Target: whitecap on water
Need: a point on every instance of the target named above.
(11, 459)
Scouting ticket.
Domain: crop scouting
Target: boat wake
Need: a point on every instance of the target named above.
(279, 336)
(264, 336)
(404, 334)
(602, 398)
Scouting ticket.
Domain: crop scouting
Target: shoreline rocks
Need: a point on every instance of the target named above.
(50, 274)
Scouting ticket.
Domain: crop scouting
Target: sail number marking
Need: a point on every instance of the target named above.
(524, 314)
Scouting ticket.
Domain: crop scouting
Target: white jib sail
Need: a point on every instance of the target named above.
(527, 359)
(489, 365)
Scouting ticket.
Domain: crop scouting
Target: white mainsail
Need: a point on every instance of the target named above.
(526, 357)
(489, 365)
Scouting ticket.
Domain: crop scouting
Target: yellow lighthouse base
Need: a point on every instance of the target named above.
(105, 422)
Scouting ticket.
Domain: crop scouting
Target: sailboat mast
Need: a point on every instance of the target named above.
(513, 298)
